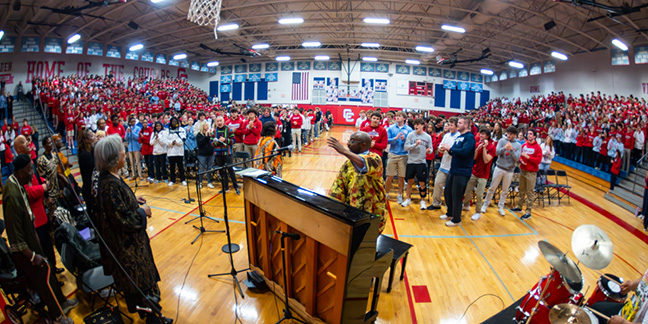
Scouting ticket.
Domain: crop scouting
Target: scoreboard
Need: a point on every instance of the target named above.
(421, 88)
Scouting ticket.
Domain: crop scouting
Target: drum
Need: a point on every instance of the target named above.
(541, 315)
(607, 290)
(557, 290)
(593, 318)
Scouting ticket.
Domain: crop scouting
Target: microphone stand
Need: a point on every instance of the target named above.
(202, 215)
(230, 248)
(287, 313)
(199, 196)
(188, 200)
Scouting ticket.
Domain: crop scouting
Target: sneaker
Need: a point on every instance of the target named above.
(501, 212)
(199, 185)
(432, 207)
(637, 212)
(184, 183)
(526, 215)
(238, 191)
(210, 186)
(406, 203)
(151, 180)
(170, 183)
(68, 305)
(387, 196)
(157, 181)
(475, 216)
(483, 210)
(516, 209)
(465, 207)
(166, 181)
(399, 199)
(443, 217)
(452, 224)
(423, 205)
(226, 190)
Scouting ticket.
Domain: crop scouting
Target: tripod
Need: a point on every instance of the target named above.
(188, 200)
(202, 215)
(287, 313)
(198, 193)
(230, 248)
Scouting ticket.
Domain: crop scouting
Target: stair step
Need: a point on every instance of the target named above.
(628, 196)
(620, 202)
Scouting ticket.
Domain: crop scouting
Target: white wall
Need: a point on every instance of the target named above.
(25, 66)
(582, 73)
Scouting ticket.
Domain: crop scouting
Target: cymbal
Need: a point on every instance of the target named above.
(568, 313)
(560, 261)
(592, 246)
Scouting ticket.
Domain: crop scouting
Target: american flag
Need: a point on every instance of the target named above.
(300, 86)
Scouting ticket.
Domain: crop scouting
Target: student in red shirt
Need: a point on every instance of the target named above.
(234, 123)
(116, 128)
(615, 170)
(484, 154)
(296, 121)
(251, 131)
(579, 145)
(588, 144)
(26, 130)
(377, 133)
(530, 159)
(147, 149)
(70, 117)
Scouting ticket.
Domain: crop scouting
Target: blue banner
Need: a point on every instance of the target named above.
(255, 67)
(240, 68)
(30, 44)
(254, 77)
(147, 56)
(334, 66)
(271, 77)
(132, 55)
(239, 78)
(463, 86)
(367, 67)
(54, 45)
(96, 49)
(226, 69)
(476, 77)
(476, 87)
(402, 69)
(226, 79)
(272, 66)
(113, 51)
(195, 66)
(449, 74)
(161, 59)
(76, 48)
(463, 76)
(382, 67)
(419, 70)
(7, 44)
(435, 72)
(173, 62)
(448, 84)
(303, 65)
(226, 88)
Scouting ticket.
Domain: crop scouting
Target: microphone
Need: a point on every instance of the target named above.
(285, 148)
(293, 236)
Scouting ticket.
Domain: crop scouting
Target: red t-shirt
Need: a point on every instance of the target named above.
(145, 140)
(379, 136)
(296, 121)
(69, 121)
(480, 169)
(233, 125)
(26, 130)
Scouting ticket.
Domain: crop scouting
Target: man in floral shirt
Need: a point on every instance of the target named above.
(360, 180)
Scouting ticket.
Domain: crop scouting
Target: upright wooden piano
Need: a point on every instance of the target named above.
(330, 268)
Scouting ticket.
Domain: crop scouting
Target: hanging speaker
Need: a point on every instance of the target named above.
(549, 25)
(133, 25)
(16, 5)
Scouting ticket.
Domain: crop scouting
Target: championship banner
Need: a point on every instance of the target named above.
(319, 83)
(332, 92)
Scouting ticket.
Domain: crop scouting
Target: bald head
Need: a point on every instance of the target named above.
(359, 142)
(20, 145)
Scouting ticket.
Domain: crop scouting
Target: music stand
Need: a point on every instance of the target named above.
(202, 215)
(198, 193)
(230, 248)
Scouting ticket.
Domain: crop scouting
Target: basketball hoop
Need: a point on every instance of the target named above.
(205, 12)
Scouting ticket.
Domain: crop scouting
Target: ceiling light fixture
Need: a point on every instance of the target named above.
(73, 38)
(516, 65)
(227, 27)
(322, 58)
(212, 64)
(136, 47)
(290, 21)
(381, 21)
(620, 44)
(283, 58)
(370, 59)
(260, 46)
(487, 71)
(415, 62)
(453, 29)
(370, 45)
(559, 56)
(180, 56)
(426, 49)
(311, 44)
(156, 1)
(1, 34)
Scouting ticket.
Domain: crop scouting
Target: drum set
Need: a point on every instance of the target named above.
(556, 298)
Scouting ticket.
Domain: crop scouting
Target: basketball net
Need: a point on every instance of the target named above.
(205, 12)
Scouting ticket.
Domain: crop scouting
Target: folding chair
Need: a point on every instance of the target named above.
(563, 189)
(550, 186)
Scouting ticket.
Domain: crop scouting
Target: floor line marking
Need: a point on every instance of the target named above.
(489, 264)
(407, 286)
(197, 215)
(179, 219)
(469, 236)
(522, 220)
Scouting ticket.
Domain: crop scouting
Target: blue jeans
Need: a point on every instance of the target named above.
(205, 162)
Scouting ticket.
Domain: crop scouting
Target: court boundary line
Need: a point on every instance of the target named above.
(179, 219)
(407, 285)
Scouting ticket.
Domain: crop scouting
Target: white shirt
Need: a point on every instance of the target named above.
(448, 139)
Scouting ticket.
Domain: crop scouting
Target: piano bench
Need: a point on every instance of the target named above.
(385, 244)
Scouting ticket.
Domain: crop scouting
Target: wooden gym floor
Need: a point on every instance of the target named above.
(448, 268)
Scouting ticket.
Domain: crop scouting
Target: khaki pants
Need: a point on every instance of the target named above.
(527, 194)
(136, 165)
(503, 176)
(479, 193)
(238, 147)
(439, 182)
(296, 139)
(252, 150)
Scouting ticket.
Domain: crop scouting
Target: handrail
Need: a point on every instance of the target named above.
(637, 164)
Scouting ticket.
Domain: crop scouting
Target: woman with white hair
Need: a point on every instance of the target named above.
(122, 223)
